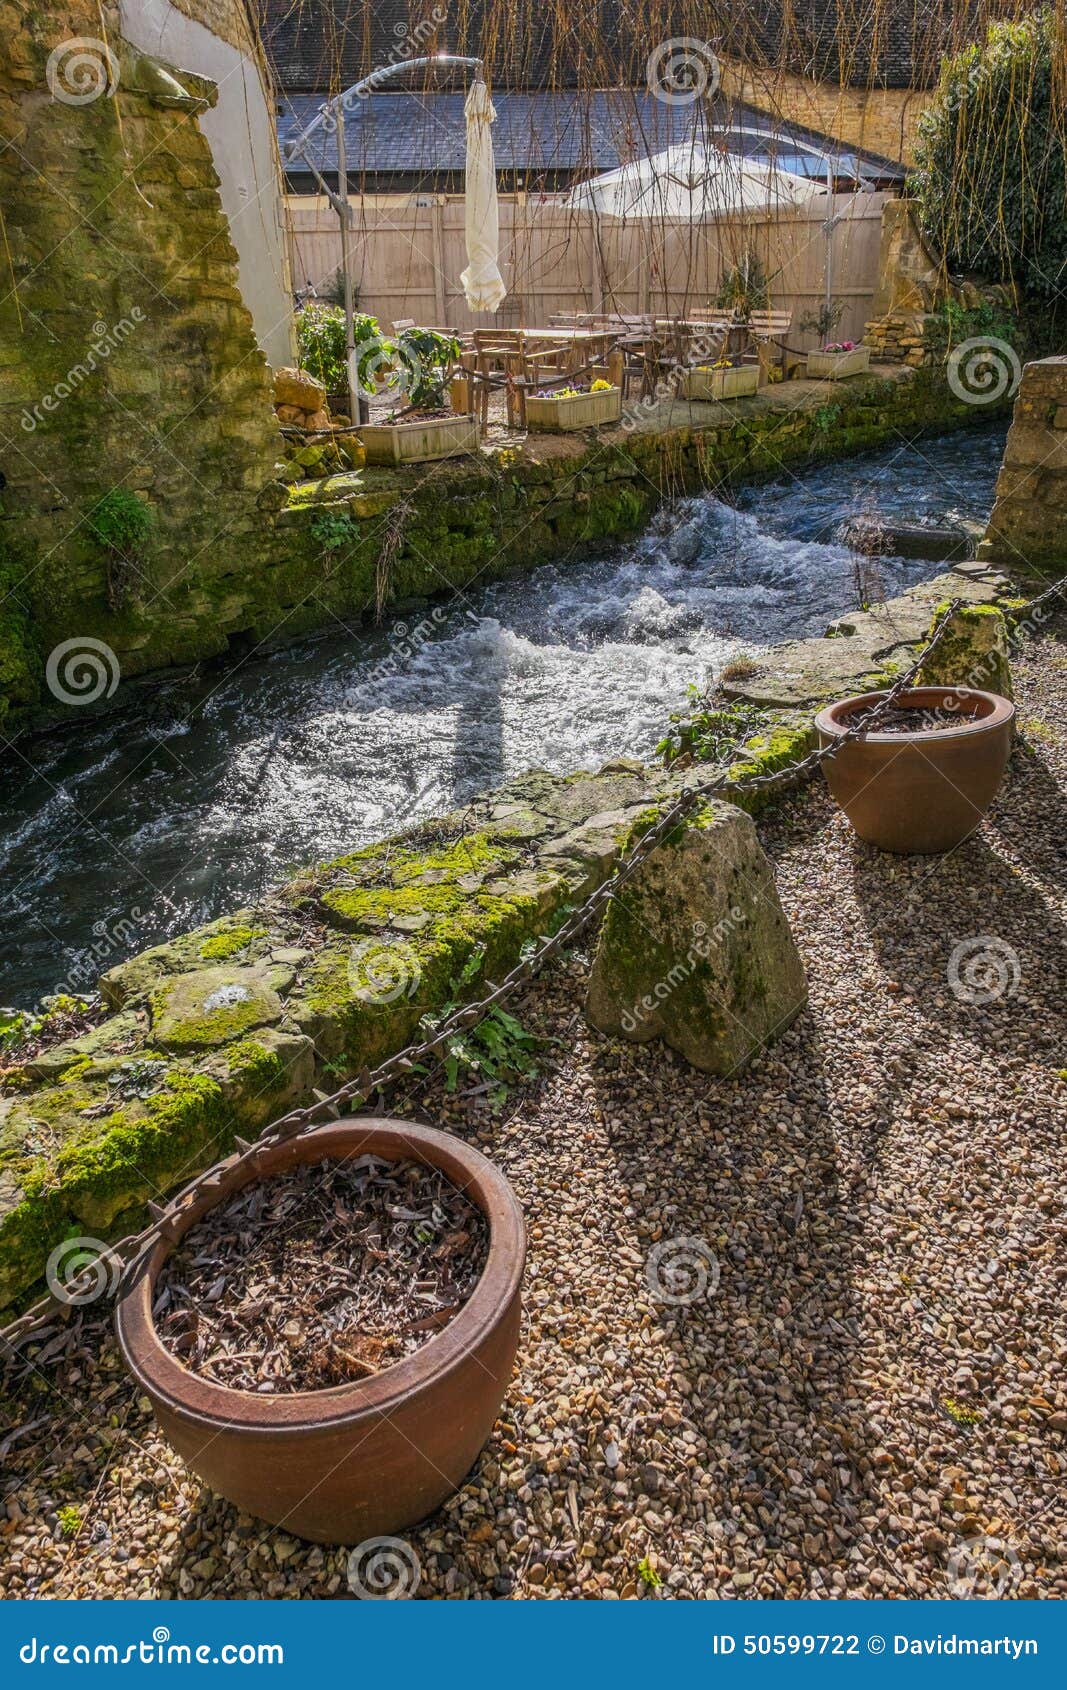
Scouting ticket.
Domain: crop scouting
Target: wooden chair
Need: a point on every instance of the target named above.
(771, 329)
(503, 352)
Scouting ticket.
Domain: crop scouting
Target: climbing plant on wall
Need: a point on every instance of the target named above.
(991, 179)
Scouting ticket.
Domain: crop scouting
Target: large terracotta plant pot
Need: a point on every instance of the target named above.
(366, 1459)
(920, 793)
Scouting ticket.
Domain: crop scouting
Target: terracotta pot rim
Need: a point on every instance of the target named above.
(167, 1380)
(830, 723)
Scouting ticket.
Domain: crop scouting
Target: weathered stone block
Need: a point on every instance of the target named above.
(210, 1006)
(296, 387)
(1029, 520)
(1031, 444)
(972, 653)
(695, 948)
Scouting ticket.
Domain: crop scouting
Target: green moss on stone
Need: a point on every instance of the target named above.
(972, 652)
(227, 944)
(778, 749)
(254, 1067)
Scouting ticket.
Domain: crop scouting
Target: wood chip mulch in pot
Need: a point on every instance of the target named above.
(321, 1276)
(916, 719)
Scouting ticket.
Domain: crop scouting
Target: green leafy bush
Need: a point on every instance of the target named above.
(991, 177)
(426, 357)
(120, 522)
(321, 337)
(951, 323)
(333, 530)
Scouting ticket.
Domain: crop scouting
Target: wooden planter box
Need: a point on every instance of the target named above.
(419, 442)
(582, 410)
(834, 365)
(722, 384)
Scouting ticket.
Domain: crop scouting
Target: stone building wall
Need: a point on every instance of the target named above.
(218, 39)
(128, 360)
(885, 120)
(1029, 520)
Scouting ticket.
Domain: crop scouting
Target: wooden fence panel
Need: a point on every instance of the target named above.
(409, 254)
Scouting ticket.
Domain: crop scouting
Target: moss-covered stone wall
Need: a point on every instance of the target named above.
(127, 358)
(1029, 520)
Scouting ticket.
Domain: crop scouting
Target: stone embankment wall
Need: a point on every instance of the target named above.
(913, 289)
(1029, 520)
(222, 1030)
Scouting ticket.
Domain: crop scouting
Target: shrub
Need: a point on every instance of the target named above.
(991, 177)
(744, 288)
(120, 522)
(321, 336)
(427, 357)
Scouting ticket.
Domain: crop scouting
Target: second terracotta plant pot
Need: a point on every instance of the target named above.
(920, 793)
(366, 1459)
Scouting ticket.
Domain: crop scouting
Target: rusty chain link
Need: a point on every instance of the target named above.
(131, 1253)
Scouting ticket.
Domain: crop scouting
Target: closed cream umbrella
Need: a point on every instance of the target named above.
(482, 282)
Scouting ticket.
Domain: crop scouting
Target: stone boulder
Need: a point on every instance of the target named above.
(972, 653)
(695, 949)
(297, 388)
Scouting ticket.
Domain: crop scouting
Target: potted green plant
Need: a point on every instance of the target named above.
(839, 358)
(323, 352)
(744, 288)
(727, 378)
(417, 364)
(559, 410)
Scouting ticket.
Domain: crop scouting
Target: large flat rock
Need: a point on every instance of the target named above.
(855, 654)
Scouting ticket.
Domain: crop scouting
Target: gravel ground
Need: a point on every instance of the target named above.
(867, 1395)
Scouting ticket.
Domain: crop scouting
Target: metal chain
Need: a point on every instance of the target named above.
(131, 1253)
(1024, 610)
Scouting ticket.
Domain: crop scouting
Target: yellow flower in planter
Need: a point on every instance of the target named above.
(600, 386)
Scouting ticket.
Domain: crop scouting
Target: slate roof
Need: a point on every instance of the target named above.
(550, 139)
(329, 44)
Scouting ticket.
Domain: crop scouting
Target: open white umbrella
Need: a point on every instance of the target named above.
(482, 281)
(693, 183)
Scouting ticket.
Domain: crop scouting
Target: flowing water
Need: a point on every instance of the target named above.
(131, 829)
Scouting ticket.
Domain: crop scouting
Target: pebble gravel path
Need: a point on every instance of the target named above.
(858, 1386)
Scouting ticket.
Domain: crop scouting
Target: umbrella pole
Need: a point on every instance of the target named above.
(830, 221)
(358, 410)
(332, 114)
